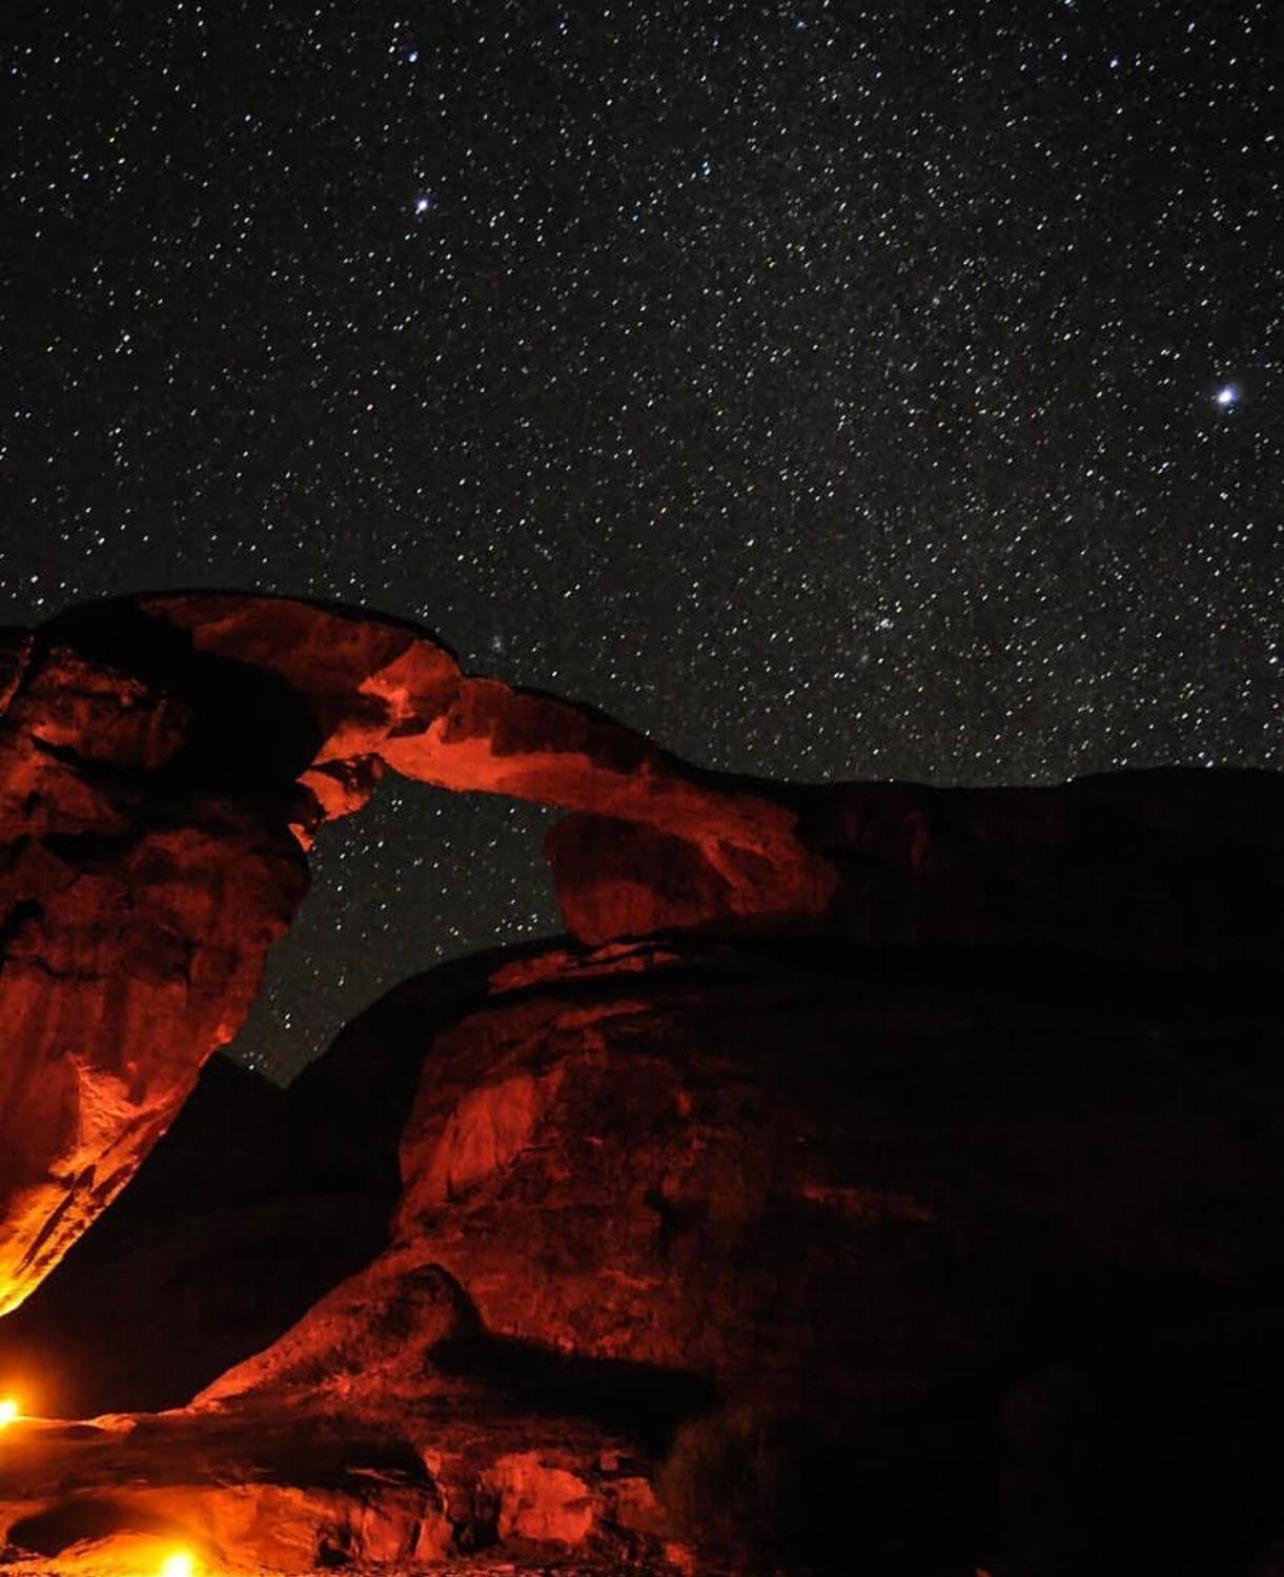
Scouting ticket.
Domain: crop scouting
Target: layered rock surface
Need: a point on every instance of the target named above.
(849, 1192)
(137, 900)
(161, 762)
(845, 1247)
(758, 1255)
(163, 759)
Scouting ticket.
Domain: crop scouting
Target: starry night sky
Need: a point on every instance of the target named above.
(826, 389)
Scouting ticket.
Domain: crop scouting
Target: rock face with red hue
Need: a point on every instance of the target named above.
(1166, 869)
(810, 1228)
(247, 1211)
(161, 760)
(136, 906)
(384, 696)
(881, 1177)
(724, 1251)
(283, 1496)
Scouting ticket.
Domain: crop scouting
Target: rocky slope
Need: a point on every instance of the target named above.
(751, 1255)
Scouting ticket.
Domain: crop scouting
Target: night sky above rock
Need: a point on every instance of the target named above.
(826, 390)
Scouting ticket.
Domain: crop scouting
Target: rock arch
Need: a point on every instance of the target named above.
(165, 762)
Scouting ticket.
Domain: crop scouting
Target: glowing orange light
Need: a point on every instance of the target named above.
(179, 1564)
(8, 1410)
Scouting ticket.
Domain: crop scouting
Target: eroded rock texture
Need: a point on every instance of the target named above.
(879, 1178)
(138, 896)
(161, 762)
(744, 1255)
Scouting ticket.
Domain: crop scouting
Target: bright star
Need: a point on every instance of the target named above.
(1227, 395)
(422, 204)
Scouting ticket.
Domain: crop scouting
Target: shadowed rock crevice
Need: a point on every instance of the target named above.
(223, 705)
(642, 1402)
(90, 1519)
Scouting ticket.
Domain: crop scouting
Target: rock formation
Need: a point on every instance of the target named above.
(136, 904)
(845, 1191)
(161, 762)
(708, 1251)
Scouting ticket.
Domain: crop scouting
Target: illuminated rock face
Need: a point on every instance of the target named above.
(914, 1104)
(281, 1496)
(165, 761)
(822, 1239)
(136, 905)
(161, 762)
(859, 1259)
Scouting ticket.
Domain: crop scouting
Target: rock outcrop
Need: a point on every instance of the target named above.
(747, 1254)
(137, 901)
(165, 760)
(877, 1177)
(246, 1212)
(161, 763)
(838, 1248)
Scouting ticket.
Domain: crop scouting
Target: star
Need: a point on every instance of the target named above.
(679, 431)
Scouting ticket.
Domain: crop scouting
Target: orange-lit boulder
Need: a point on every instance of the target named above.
(119, 1496)
(736, 1250)
(840, 1246)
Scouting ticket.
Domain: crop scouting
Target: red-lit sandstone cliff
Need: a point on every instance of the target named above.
(162, 760)
(735, 1255)
(163, 763)
(880, 1176)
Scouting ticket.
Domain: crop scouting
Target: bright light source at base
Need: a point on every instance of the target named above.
(179, 1564)
(8, 1410)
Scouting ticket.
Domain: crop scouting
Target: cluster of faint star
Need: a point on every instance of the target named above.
(827, 390)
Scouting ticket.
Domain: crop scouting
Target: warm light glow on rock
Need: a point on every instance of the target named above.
(8, 1411)
(179, 1564)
